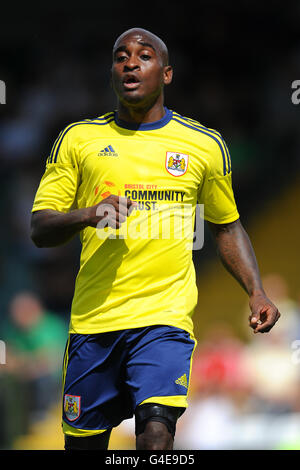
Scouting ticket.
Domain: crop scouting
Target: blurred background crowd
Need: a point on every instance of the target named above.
(234, 65)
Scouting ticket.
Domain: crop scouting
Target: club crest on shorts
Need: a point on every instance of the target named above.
(72, 407)
(176, 163)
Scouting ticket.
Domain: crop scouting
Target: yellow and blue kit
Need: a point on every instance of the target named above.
(136, 277)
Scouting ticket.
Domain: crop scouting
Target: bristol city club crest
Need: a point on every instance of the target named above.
(176, 163)
(72, 407)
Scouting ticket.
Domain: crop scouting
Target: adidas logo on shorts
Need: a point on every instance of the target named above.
(182, 381)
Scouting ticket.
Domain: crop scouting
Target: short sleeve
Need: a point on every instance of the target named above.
(58, 186)
(215, 192)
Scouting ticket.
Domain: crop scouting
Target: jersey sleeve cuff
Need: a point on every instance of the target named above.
(226, 220)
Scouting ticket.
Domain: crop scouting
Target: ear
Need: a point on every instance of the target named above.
(168, 74)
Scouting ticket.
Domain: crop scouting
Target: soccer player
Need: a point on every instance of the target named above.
(131, 336)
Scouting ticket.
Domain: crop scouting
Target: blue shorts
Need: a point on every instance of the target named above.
(107, 375)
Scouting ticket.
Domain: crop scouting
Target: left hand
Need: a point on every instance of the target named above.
(264, 314)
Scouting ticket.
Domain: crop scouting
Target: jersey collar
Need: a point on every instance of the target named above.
(148, 126)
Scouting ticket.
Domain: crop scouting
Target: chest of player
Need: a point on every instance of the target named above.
(129, 166)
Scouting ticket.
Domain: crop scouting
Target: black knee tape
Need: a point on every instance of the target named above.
(155, 412)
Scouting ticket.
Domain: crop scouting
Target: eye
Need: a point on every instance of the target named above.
(145, 56)
(120, 58)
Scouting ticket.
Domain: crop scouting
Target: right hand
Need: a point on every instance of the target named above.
(110, 212)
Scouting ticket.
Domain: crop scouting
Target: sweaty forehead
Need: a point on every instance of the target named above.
(143, 36)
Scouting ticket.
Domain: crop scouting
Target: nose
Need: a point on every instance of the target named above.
(131, 64)
(130, 67)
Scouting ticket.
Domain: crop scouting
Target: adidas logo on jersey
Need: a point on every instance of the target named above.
(108, 152)
(182, 381)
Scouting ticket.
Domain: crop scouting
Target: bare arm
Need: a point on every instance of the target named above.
(52, 228)
(237, 255)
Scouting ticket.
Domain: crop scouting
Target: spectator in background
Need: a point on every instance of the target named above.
(268, 360)
(218, 365)
(276, 285)
(219, 391)
(246, 395)
(35, 340)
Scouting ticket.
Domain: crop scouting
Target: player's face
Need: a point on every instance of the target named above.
(138, 72)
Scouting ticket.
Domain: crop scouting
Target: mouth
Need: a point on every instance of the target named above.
(131, 82)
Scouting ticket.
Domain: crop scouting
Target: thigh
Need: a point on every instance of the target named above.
(159, 365)
(95, 397)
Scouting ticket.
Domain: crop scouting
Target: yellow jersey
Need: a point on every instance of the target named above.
(142, 274)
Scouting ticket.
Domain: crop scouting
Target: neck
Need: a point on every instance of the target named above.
(141, 114)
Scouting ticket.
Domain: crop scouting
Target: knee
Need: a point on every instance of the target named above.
(155, 437)
(156, 426)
